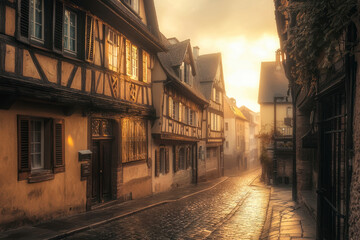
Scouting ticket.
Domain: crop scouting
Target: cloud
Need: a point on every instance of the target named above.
(243, 31)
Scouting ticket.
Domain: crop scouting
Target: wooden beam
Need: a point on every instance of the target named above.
(38, 67)
(71, 77)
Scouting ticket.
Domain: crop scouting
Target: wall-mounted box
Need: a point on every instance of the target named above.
(85, 155)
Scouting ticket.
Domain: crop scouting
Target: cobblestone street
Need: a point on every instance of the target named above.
(234, 209)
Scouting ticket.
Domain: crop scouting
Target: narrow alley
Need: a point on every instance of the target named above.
(234, 209)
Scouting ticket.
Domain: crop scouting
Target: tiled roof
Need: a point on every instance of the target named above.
(207, 68)
(174, 57)
(273, 82)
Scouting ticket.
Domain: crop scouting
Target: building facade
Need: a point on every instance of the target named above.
(276, 123)
(327, 118)
(75, 80)
(254, 142)
(177, 130)
(213, 88)
(235, 122)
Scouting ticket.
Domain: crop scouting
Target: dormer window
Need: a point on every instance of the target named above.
(134, 4)
(186, 73)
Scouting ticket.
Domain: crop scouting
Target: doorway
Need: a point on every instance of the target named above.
(101, 171)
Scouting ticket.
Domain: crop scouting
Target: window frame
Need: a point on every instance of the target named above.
(52, 148)
(111, 48)
(32, 142)
(132, 60)
(131, 4)
(73, 52)
(32, 22)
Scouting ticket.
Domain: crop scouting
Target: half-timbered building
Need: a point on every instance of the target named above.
(76, 104)
(213, 88)
(177, 130)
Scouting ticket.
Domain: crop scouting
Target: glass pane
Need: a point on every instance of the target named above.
(38, 31)
(38, 148)
(65, 29)
(72, 19)
(38, 4)
(66, 42)
(36, 161)
(72, 45)
(38, 16)
(72, 32)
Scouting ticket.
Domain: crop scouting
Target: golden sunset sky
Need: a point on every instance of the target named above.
(243, 31)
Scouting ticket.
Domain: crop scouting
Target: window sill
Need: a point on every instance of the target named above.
(40, 176)
(134, 162)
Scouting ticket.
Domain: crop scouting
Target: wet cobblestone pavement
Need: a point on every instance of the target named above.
(234, 209)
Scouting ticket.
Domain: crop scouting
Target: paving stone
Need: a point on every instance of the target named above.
(232, 210)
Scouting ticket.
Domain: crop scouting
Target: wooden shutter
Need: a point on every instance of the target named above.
(187, 158)
(157, 163)
(176, 159)
(58, 26)
(106, 47)
(167, 160)
(59, 145)
(144, 66)
(89, 55)
(128, 58)
(24, 165)
(23, 20)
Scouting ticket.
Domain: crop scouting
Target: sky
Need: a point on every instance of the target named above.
(243, 31)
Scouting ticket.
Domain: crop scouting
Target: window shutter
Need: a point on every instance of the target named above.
(167, 160)
(157, 163)
(59, 145)
(187, 158)
(128, 58)
(144, 66)
(176, 159)
(89, 39)
(23, 20)
(23, 148)
(58, 26)
(106, 47)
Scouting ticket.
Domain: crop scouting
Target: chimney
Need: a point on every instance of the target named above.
(196, 50)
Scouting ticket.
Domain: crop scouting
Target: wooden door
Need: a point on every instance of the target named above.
(101, 171)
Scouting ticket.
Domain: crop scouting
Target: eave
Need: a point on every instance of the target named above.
(118, 16)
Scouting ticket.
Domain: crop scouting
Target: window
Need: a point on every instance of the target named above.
(37, 20)
(182, 158)
(162, 161)
(36, 144)
(227, 126)
(113, 50)
(170, 107)
(146, 62)
(41, 148)
(191, 117)
(132, 60)
(134, 4)
(134, 140)
(289, 112)
(214, 152)
(70, 31)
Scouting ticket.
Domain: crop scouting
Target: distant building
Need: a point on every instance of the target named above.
(276, 104)
(254, 142)
(235, 157)
(213, 88)
(177, 129)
